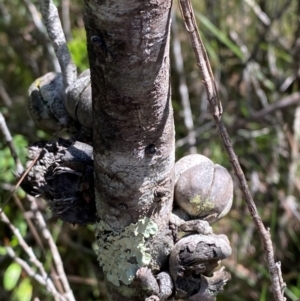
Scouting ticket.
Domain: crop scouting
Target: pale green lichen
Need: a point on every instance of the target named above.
(203, 206)
(121, 254)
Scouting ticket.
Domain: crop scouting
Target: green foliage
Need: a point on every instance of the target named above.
(78, 50)
(24, 291)
(11, 276)
(220, 35)
(7, 165)
(293, 291)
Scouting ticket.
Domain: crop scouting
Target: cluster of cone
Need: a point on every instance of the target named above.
(63, 175)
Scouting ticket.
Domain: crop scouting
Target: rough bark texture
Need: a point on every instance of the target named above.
(128, 46)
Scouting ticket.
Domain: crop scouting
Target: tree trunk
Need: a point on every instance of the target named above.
(133, 162)
(128, 48)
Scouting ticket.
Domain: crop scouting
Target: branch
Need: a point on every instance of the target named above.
(287, 101)
(36, 18)
(8, 138)
(30, 224)
(183, 89)
(65, 11)
(43, 277)
(56, 35)
(258, 11)
(128, 47)
(30, 272)
(4, 95)
(274, 33)
(215, 105)
(38, 216)
(40, 221)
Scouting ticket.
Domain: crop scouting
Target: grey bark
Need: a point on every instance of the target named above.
(56, 35)
(128, 47)
(131, 108)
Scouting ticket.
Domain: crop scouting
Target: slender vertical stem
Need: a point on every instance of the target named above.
(56, 35)
(65, 11)
(8, 138)
(215, 105)
(183, 89)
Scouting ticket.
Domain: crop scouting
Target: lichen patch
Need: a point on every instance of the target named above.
(121, 254)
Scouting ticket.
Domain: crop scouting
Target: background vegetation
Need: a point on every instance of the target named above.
(254, 49)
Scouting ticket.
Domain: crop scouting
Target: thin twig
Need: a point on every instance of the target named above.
(183, 89)
(287, 101)
(36, 18)
(57, 37)
(30, 224)
(40, 221)
(8, 138)
(25, 173)
(274, 33)
(4, 95)
(65, 12)
(251, 70)
(20, 181)
(43, 277)
(290, 100)
(258, 11)
(31, 273)
(205, 69)
(39, 241)
(54, 275)
(199, 131)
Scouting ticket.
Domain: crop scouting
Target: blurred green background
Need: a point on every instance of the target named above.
(254, 49)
